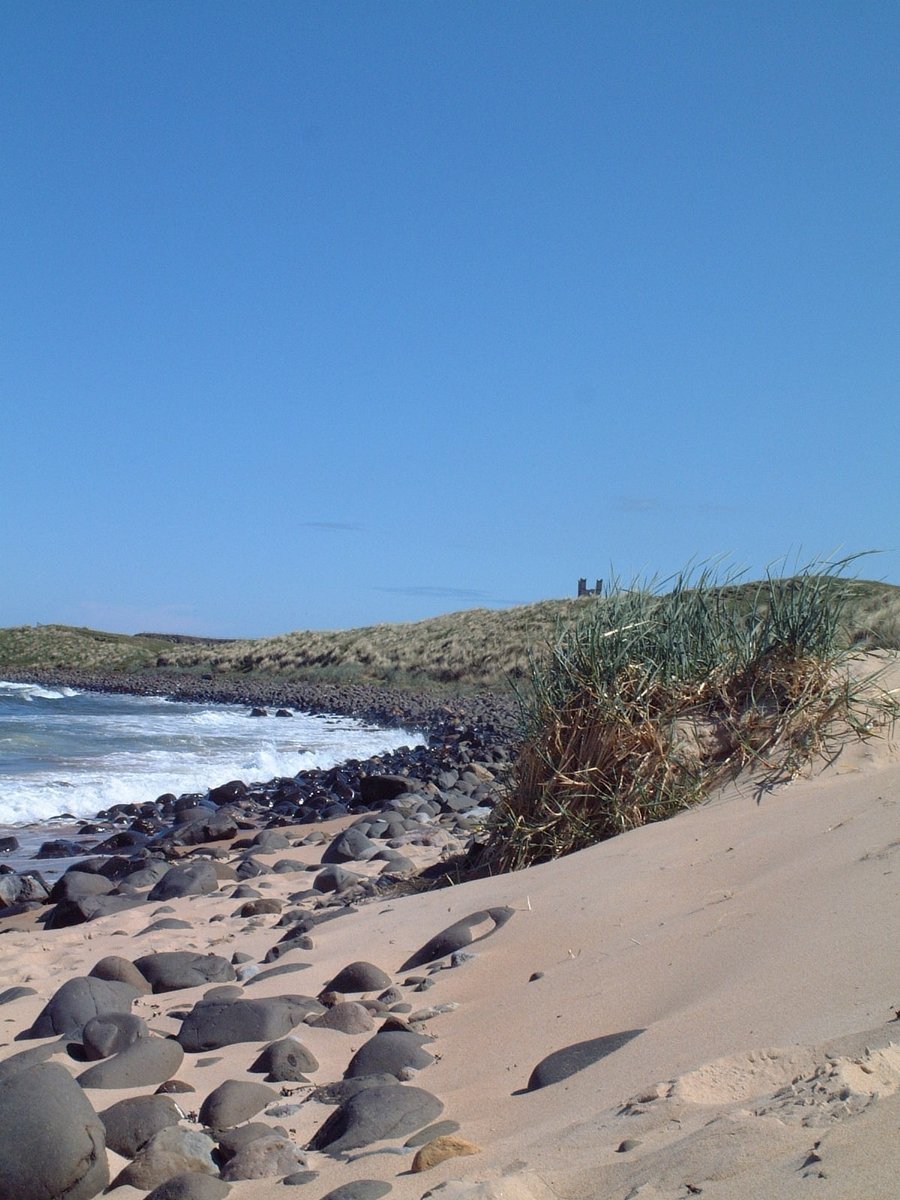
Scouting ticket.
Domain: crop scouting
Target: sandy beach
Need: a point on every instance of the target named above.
(747, 946)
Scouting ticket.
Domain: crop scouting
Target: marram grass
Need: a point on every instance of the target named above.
(636, 712)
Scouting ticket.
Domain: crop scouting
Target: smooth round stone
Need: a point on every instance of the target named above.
(190, 1186)
(263, 1158)
(120, 970)
(130, 1124)
(347, 1017)
(144, 1063)
(374, 1114)
(52, 1143)
(286, 1061)
(359, 977)
(78, 1001)
(359, 1189)
(172, 1151)
(106, 1035)
(389, 1053)
(172, 970)
(234, 1101)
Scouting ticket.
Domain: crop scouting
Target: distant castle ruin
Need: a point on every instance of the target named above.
(584, 590)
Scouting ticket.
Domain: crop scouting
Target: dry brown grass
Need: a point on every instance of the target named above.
(639, 715)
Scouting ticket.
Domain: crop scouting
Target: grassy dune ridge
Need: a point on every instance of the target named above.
(476, 648)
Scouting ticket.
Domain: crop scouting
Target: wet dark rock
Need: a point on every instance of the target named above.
(60, 848)
(8, 844)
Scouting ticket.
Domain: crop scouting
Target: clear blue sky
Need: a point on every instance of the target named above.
(316, 314)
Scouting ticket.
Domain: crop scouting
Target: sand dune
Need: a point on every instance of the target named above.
(753, 941)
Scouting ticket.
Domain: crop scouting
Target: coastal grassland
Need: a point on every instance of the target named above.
(71, 648)
(640, 709)
(477, 648)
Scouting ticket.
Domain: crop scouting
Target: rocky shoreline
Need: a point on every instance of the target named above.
(453, 777)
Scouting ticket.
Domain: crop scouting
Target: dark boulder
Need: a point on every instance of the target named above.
(77, 1001)
(52, 1144)
(171, 970)
(390, 1111)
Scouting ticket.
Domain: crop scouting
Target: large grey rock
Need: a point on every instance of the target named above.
(375, 1113)
(211, 828)
(26, 1059)
(286, 1061)
(87, 908)
(563, 1063)
(234, 1101)
(350, 846)
(389, 1054)
(106, 1035)
(236, 1139)
(359, 977)
(170, 1152)
(359, 1189)
(213, 1024)
(197, 879)
(336, 879)
(77, 1001)
(144, 1063)
(75, 884)
(130, 1124)
(264, 1158)
(52, 1144)
(120, 970)
(190, 1187)
(171, 970)
(473, 928)
(346, 1017)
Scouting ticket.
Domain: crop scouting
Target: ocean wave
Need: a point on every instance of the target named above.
(35, 691)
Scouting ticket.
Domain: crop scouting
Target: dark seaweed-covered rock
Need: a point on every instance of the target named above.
(563, 1063)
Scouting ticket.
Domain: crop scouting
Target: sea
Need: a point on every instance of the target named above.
(66, 753)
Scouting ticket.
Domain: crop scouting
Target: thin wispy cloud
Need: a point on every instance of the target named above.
(440, 593)
(332, 526)
(652, 504)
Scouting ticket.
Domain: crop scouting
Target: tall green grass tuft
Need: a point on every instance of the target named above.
(636, 712)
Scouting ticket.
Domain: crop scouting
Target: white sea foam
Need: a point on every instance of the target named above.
(91, 751)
